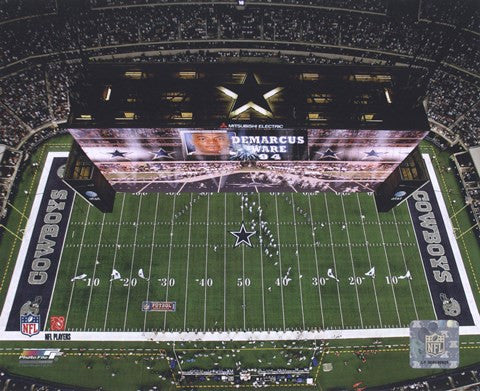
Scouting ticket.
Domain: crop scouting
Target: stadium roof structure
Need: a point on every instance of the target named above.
(207, 95)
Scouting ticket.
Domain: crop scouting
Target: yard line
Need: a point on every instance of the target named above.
(188, 262)
(369, 260)
(316, 261)
(133, 262)
(405, 263)
(261, 259)
(351, 258)
(298, 259)
(280, 279)
(76, 267)
(244, 305)
(172, 223)
(225, 264)
(206, 267)
(334, 260)
(94, 271)
(386, 258)
(151, 260)
(113, 264)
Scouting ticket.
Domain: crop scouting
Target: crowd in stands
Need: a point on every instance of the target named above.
(49, 50)
(17, 92)
(9, 161)
(60, 77)
(131, 25)
(452, 102)
(452, 13)
(12, 130)
(25, 8)
(444, 89)
(379, 6)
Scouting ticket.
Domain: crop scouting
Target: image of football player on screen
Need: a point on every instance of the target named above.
(207, 143)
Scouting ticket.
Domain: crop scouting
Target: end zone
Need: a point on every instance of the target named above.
(34, 276)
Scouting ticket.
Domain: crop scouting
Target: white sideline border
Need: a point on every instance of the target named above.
(27, 236)
(224, 335)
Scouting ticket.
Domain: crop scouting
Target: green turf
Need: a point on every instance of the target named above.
(189, 255)
(385, 366)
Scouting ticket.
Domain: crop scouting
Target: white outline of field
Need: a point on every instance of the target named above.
(230, 335)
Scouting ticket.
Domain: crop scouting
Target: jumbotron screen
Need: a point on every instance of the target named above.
(246, 158)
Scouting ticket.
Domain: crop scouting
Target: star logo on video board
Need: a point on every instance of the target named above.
(242, 236)
(328, 154)
(162, 154)
(250, 95)
(373, 153)
(117, 153)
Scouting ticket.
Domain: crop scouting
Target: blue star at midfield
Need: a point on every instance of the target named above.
(374, 153)
(243, 236)
(328, 154)
(117, 153)
(162, 154)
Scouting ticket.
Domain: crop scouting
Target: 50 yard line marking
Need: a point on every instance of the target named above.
(113, 264)
(206, 267)
(170, 257)
(298, 259)
(369, 260)
(351, 258)
(188, 262)
(133, 262)
(92, 284)
(151, 259)
(76, 267)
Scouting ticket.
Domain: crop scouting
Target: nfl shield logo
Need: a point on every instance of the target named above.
(30, 324)
(435, 344)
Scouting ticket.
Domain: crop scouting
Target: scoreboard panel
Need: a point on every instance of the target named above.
(246, 157)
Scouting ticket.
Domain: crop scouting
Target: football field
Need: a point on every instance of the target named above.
(316, 261)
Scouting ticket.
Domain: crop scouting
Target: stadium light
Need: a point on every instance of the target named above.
(261, 110)
(107, 93)
(387, 96)
(228, 92)
(251, 105)
(270, 93)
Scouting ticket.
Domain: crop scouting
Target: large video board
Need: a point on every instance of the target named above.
(246, 158)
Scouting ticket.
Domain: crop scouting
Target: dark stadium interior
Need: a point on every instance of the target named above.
(156, 95)
(154, 59)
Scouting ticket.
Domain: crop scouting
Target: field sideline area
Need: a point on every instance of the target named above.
(191, 259)
(391, 354)
(315, 265)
